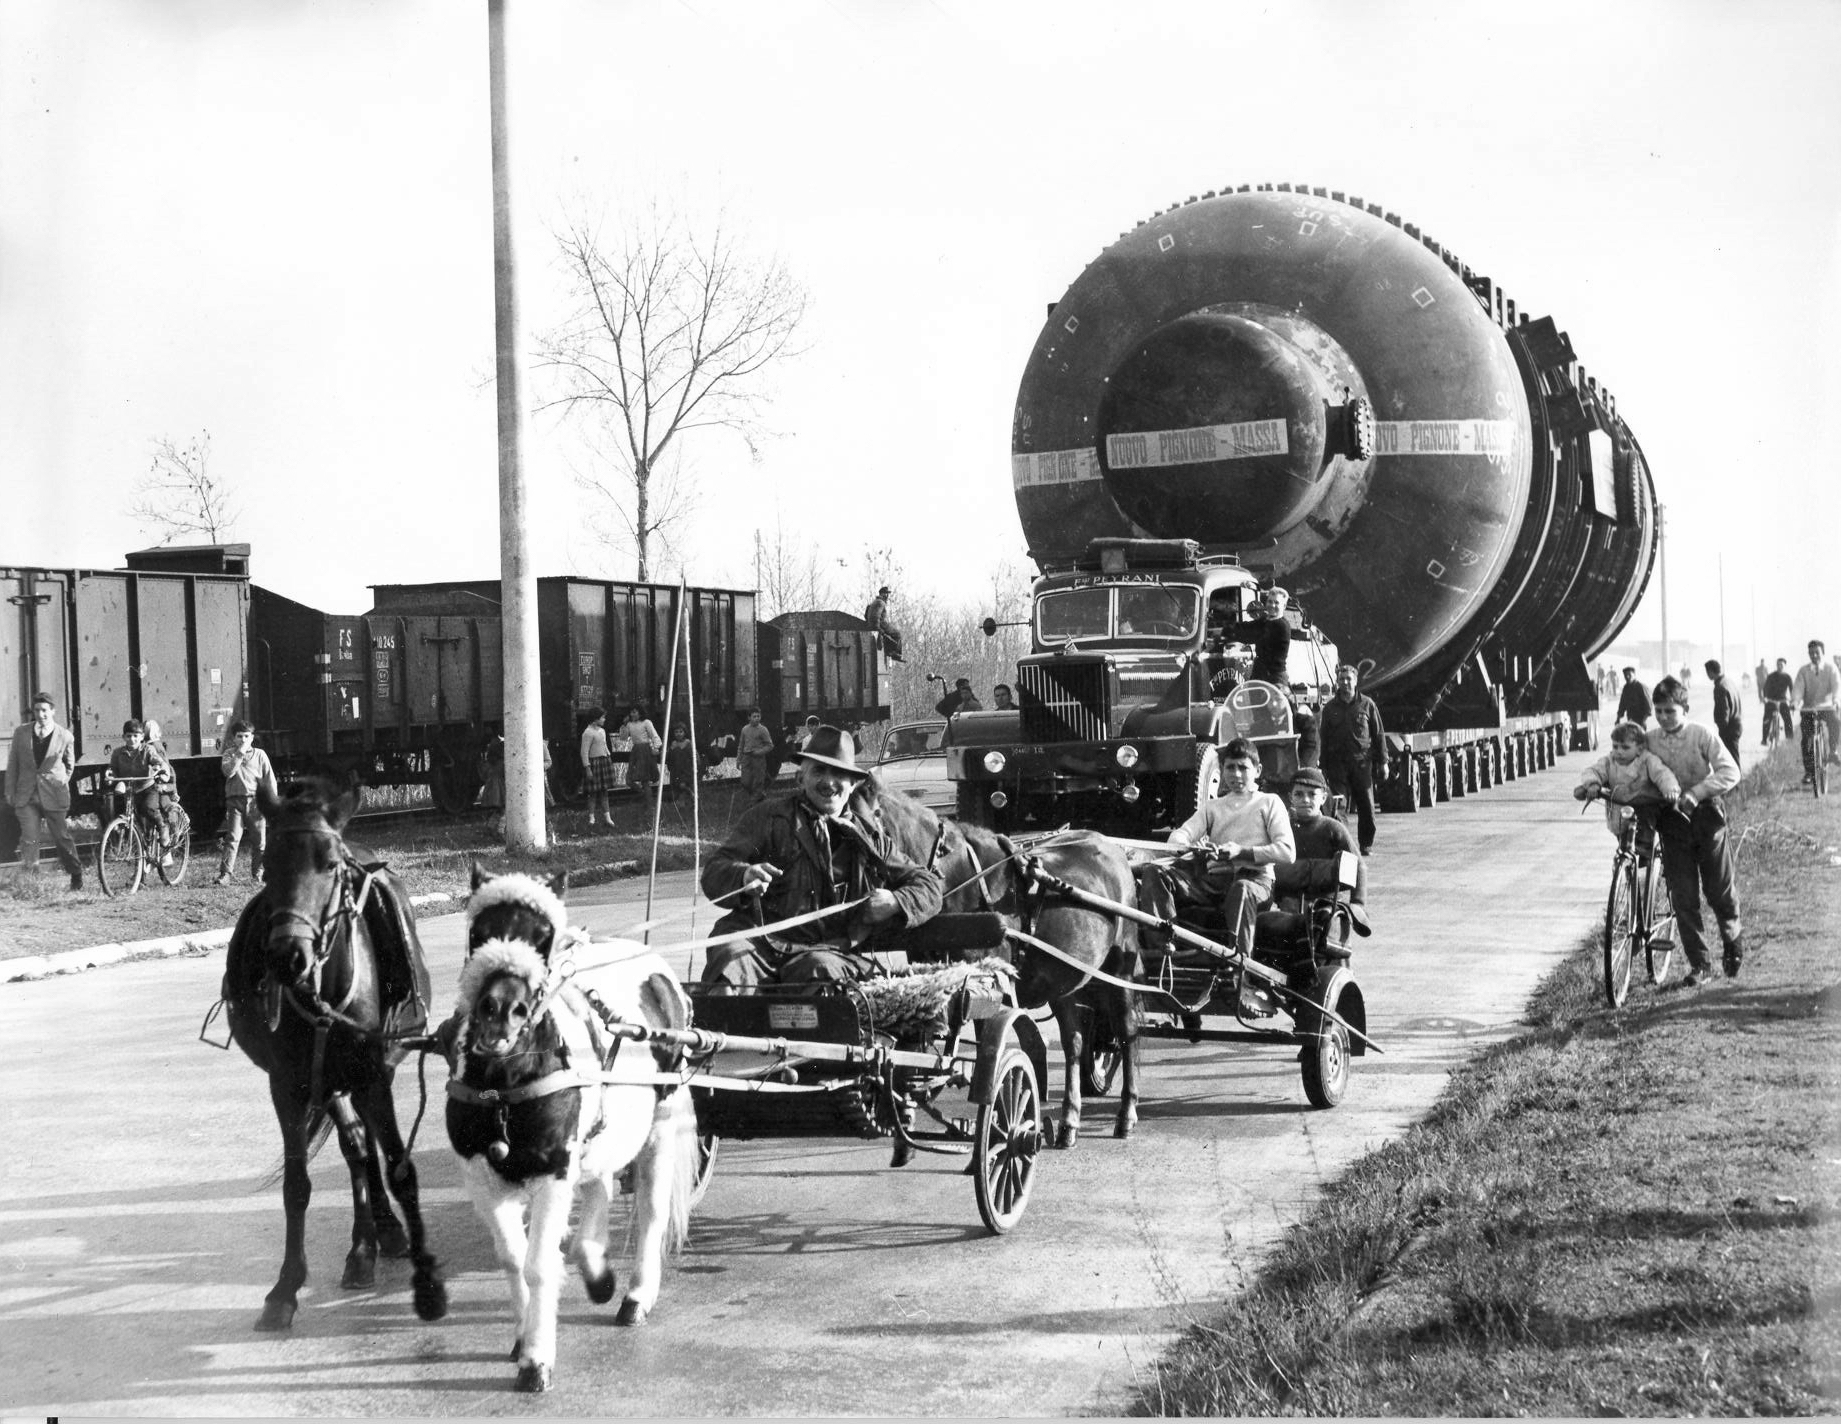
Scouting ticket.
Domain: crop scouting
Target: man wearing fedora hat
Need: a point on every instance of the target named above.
(811, 849)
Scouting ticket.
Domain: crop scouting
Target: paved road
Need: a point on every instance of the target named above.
(137, 1235)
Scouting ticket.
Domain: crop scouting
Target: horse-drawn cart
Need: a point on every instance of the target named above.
(872, 1060)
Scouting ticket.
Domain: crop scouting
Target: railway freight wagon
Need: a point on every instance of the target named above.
(413, 691)
(1302, 383)
(163, 639)
(822, 664)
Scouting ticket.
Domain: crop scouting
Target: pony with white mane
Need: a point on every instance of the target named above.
(547, 1094)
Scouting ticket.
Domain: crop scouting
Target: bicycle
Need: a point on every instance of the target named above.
(129, 849)
(1816, 724)
(1638, 912)
(1773, 725)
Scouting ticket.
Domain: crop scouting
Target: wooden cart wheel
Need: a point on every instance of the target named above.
(1009, 1134)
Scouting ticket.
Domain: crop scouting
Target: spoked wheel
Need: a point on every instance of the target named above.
(1099, 1062)
(118, 858)
(180, 853)
(708, 1145)
(1819, 782)
(1009, 1136)
(1659, 944)
(1326, 1065)
(1619, 935)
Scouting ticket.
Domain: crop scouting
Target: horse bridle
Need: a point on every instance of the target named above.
(340, 912)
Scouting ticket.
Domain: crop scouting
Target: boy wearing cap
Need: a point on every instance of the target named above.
(38, 769)
(807, 850)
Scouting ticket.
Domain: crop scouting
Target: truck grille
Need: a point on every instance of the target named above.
(1063, 701)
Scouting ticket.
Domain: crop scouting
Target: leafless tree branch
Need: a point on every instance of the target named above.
(179, 496)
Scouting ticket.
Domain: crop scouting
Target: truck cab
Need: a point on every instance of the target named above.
(1140, 670)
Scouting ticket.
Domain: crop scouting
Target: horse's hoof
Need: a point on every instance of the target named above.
(276, 1315)
(901, 1155)
(392, 1240)
(430, 1297)
(534, 1379)
(360, 1273)
(1067, 1135)
(1124, 1129)
(600, 1288)
(631, 1313)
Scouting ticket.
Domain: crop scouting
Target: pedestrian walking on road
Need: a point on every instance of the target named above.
(1353, 750)
(1633, 701)
(38, 769)
(246, 770)
(1728, 715)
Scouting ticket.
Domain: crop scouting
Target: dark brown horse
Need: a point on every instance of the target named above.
(985, 871)
(324, 974)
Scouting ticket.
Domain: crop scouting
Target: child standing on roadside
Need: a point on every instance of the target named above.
(1631, 775)
(246, 769)
(597, 765)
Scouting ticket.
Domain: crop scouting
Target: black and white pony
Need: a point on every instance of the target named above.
(546, 1096)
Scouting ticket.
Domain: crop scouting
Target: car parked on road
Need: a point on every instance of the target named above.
(912, 760)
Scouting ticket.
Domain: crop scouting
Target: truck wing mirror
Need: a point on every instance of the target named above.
(990, 627)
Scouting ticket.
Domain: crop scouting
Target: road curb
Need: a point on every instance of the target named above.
(76, 961)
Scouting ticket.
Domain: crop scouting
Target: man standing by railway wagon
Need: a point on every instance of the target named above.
(1695, 858)
(752, 749)
(807, 850)
(38, 769)
(1353, 751)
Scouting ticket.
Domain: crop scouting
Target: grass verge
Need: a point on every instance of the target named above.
(1627, 1212)
(38, 915)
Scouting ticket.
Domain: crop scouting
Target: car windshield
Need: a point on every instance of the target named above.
(912, 742)
(1127, 612)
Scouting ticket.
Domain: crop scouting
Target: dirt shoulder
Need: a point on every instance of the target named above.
(1618, 1212)
(38, 916)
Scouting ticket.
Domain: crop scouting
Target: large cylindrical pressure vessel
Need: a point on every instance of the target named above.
(1310, 385)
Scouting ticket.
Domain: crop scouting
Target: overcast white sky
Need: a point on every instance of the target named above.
(272, 221)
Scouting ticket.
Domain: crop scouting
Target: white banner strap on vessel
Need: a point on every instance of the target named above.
(757, 931)
(1444, 437)
(1054, 467)
(1202, 445)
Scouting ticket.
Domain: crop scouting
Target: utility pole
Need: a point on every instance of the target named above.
(1662, 558)
(1719, 565)
(524, 828)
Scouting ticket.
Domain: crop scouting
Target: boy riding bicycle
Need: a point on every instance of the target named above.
(1629, 777)
(139, 762)
(1818, 693)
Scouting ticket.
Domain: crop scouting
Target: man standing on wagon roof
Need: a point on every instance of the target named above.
(812, 849)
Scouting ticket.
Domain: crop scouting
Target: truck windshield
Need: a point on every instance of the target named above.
(1131, 613)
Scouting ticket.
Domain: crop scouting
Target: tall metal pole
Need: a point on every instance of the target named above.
(524, 828)
(1719, 565)
(1662, 559)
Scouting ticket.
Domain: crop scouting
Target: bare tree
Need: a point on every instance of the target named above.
(791, 572)
(179, 495)
(669, 334)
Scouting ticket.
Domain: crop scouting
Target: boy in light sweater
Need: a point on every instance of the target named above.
(246, 767)
(1695, 857)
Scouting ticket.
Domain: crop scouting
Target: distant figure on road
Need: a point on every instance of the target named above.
(1775, 692)
(877, 616)
(1633, 702)
(1728, 719)
(751, 753)
(1353, 749)
(1818, 694)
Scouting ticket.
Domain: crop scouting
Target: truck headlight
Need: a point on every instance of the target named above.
(1129, 793)
(994, 762)
(1126, 757)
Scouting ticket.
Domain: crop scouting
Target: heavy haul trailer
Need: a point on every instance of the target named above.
(1303, 382)
(163, 639)
(411, 692)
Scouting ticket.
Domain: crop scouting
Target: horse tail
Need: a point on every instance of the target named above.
(319, 1128)
(677, 1116)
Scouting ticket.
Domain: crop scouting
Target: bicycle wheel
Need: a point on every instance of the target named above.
(1619, 932)
(179, 854)
(118, 858)
(1659, 942)
(1818, 747)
